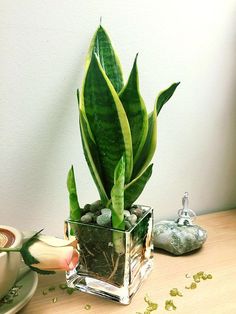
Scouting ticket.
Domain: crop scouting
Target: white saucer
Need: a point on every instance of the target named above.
(29, 284)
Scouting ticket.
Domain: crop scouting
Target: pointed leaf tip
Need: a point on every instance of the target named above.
(165, 95)
(108, 59)
(135, 110)
(78, 97)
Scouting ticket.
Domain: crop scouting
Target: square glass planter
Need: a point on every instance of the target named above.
(113, 263)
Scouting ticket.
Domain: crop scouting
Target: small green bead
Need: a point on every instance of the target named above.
(196, 278)
(193, 285)
(63, 286)
(70, 290)
(174, 292)
(87, 307)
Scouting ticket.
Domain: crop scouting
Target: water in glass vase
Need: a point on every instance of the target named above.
(113, 263)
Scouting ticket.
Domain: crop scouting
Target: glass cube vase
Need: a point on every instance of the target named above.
(113, 263)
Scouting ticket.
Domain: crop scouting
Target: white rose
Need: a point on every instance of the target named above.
(46, 254)
(54, 254)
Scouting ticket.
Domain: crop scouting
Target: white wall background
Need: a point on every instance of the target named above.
(42, 52)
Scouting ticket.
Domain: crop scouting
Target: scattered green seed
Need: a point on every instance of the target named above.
(44, 292)
(187, 276)
(209, 276)
(70, 290)
(63, 286)
(18, 286)
(196, 278)
(54, 300)
(192, 286)
(87, 307)
(175, 292)
(52, 288)
(169, 305)
(151, 306)
(204, 276)
(9, 298)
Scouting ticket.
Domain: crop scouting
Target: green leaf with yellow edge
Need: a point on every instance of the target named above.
(151, 139)
(91, 155)
(102, 47)
(136, 186)
(149, 146)
(165, 95)
(75, 210)
(108, 123)
(117, 197)
(135, 110)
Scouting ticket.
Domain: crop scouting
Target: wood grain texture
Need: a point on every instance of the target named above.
(215, 296)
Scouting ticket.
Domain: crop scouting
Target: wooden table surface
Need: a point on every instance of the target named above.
(213, 296)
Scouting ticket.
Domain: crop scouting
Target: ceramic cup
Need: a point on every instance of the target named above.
(10, 263)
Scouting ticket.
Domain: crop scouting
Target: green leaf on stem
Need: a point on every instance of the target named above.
(102, 47)
(91, 155)
(75, 210)
(108, 123)
(164, 96)
(149, 146)
(136, 186)
(135, 110)
(117, 197)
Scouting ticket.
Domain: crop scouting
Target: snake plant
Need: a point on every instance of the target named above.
(118, 135)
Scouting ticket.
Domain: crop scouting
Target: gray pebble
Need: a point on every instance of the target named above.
(86, 208)
(86, 218)
(137, 211)
(132, 219)
(126, 213)
(104, 219)
(95, 206)
(106, 211)
(90, 214)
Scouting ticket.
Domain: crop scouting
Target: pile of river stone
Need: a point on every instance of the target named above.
(95, 213)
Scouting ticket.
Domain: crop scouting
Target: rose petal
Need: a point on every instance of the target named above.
(53, 241)
(74, 260)
(53, 258)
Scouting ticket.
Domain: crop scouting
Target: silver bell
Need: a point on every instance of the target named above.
(186, 215)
